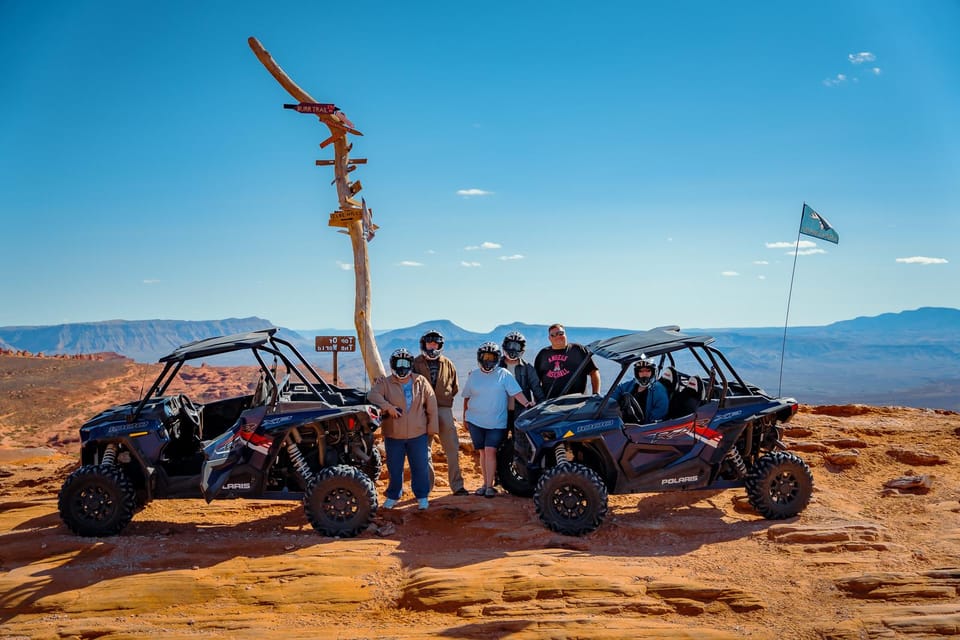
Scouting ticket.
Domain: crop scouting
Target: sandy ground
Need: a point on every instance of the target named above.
(876, 555)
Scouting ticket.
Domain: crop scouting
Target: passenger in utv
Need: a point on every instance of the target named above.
(514, 344)
(485, 410)
(650, 394)
(410, 407)
(442, 375)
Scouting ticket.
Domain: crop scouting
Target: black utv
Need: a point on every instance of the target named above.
(295, 437)
(720, 431)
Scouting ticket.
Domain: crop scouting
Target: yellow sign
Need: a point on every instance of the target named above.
(344, 218)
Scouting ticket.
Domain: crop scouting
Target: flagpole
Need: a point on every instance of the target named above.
(786, 320)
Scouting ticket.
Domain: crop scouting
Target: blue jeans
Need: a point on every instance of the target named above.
(415, 451)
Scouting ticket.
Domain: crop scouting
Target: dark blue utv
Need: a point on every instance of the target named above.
(295, 437)
(719, 432)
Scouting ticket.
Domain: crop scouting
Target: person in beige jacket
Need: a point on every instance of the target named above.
(410, 409)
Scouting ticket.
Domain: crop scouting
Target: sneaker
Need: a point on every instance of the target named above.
(461, 492)
(389, 503)
(490, 492)
(422, 504)
(482, 491)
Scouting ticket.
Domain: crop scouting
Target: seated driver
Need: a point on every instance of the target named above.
(650, 393)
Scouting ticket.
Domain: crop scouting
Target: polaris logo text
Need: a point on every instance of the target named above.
(679, 480)
(242, 486)
(596, 425)
(275, 421)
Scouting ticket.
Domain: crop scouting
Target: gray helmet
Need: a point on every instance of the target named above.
(514, 345)
(401, 361)
(431, 336)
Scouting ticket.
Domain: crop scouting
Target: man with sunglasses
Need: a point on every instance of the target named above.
(557, 363)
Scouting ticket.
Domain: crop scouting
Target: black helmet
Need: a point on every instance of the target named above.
(488, 356)
(514, 344)
(431, 336)
(645, 380)
(401, 362)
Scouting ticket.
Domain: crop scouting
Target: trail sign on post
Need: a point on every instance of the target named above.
(335, 344)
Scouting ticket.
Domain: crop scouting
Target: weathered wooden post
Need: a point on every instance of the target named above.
(352, 215)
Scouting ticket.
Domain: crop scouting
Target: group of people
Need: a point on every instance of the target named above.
(416, 400)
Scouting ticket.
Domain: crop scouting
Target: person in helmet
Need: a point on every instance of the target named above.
(485, 410)
(410, 409)
(442, 375)
(514, 344)
(649, 392)
(557, 364)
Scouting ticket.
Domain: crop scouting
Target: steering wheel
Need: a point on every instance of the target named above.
(630, 409)
(192, 410)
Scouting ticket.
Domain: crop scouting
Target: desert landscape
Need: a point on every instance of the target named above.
(875, 555)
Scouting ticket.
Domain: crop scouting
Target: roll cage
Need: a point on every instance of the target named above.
(261, 343)
(663, 342)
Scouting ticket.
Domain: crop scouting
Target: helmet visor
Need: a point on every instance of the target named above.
(488, 357)
(513, 348)
(402, 366)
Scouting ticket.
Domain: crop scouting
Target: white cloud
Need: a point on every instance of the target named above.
(483, 245)
(922, 260)
(802, 244)
(410, 263)
(761, 277)
(833, 82)
(468, 193)
(760, 262)
(807, 252)
(729, 273)
(875, 71)
(469, 265)
(515, 256)
(345, 266)
(430, 252)
(151, 281)
(860, 58)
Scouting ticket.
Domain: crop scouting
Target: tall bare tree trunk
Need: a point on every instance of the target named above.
(359, 229)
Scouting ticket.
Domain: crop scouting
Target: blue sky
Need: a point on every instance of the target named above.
(623, 164)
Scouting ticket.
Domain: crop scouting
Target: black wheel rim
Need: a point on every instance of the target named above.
(784, 487)
(569, 501)
(94, 503)
(340, 504)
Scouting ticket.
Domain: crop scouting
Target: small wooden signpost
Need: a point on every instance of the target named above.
(353, 216)
(335, 344)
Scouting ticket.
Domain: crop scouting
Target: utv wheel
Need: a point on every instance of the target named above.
(96, 500)
(780, 485)
(340, 501)
(571, 499)
(512, 472)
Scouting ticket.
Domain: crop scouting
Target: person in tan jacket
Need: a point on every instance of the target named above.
(442, 374)
(410, 409)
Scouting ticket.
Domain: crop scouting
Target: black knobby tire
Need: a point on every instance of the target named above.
(340, 501)
(97, 500)
(780, 485)
(571, 499)
(512, 472)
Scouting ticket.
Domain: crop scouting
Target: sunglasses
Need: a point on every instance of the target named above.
(558, 333)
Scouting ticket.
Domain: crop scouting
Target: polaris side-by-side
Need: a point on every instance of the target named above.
(295, 437)
(720, 432)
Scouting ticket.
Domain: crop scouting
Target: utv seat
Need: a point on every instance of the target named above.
(688, 398)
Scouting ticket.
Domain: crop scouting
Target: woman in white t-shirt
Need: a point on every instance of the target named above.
(485, 410)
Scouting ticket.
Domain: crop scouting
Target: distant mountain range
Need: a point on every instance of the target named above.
(911, 358)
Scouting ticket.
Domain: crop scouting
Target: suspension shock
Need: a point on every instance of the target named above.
(109, 457)
(734, 456)
(560, 455)
(299, 462)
